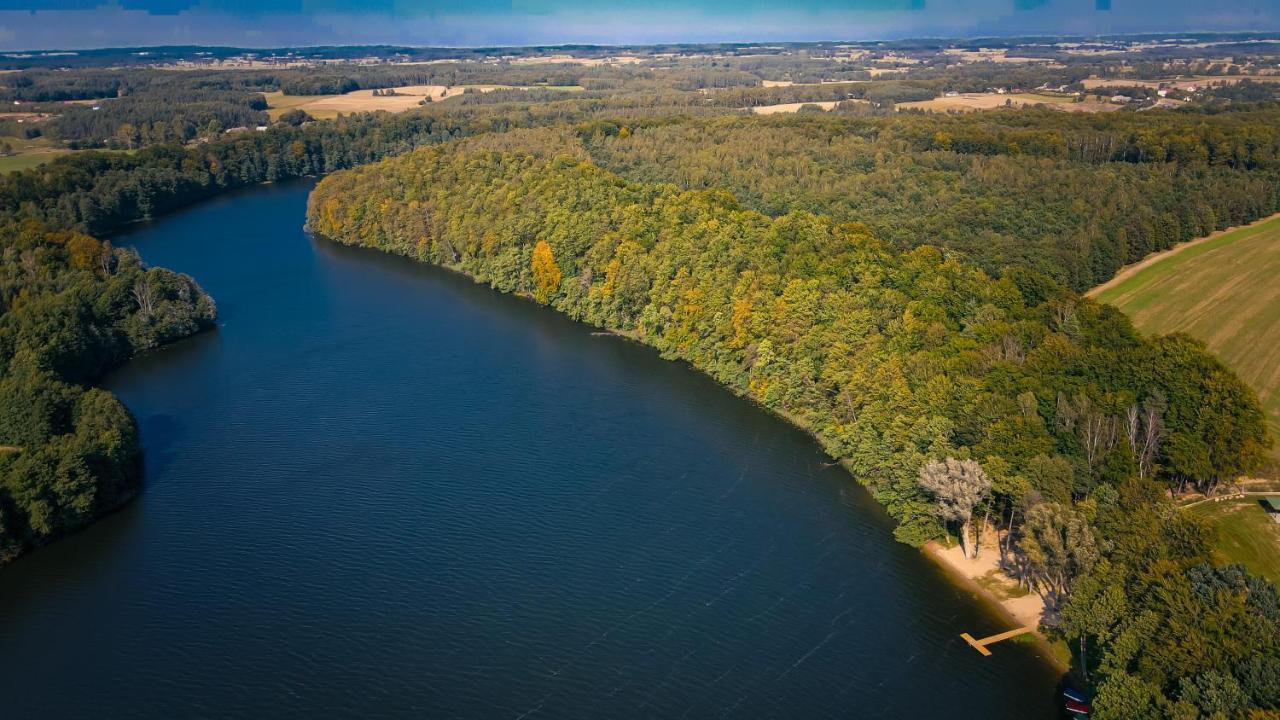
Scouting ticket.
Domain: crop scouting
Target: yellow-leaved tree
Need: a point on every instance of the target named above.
(546, 273)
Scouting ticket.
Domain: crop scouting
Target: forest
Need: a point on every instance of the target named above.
(894, 360)
(1093, 193)
(1147, 181)
(71, 308)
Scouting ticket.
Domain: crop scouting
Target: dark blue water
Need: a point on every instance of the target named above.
(379, 490)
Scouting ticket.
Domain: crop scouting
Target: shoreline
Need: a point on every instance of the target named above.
(1017, 612)
(1128, 271)
(954, 571)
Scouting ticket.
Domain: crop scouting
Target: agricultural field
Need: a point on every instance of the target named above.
(29, 153)
(792, 107)
(1181, 83)
(969, 102)
(1245, 534)
(326, 107)
(1221, 289)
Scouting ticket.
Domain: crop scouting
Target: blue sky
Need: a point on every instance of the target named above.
(34, 24)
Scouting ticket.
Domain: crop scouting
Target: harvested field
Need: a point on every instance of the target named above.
(968, 102)
(792, 107)
(1222, 290)
(1182, 83)
(407, 97)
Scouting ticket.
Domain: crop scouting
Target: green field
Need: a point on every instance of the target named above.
(1224, 291)
(1245, 534)
(29, 153)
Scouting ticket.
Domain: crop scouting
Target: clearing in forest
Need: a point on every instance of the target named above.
(1245, 534)
(967, 102)
(792, 107)
(28, 153)
(1222, 290)
(408, 97)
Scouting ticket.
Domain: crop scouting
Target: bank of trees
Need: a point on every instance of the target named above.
(898, 362)
(72, 307)
(1071, 196)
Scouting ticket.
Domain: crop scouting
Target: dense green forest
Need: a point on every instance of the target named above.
(1070, 195)
(892, 360)
(71, 308)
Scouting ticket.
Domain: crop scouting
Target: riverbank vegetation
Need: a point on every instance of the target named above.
(893, 359)
(71, 308)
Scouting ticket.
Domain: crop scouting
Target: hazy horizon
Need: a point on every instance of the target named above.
(88, 24)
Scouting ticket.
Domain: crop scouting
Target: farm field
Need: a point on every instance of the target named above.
(792, 107)
(326, 107)
(1222, 290)
(1179, 82)
(1244, 534)
(969, 102)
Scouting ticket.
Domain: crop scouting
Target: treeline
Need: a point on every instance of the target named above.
(1065, 422)
(71, 308)
(95, 84)
(97, 192)
(1072, 195)
(152, 118)
(127, 110)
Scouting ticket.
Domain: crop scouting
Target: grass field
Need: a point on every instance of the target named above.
(1224, 290)
(28, 154)
(1245, 534)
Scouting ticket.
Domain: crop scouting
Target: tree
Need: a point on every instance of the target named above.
(1128, 697)
(294, 117)
(1059, 546)
(1096, 605)
(1144, 429)
(957, 487)
(546, 273)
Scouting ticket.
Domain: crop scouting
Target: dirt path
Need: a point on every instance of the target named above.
(1129, 271)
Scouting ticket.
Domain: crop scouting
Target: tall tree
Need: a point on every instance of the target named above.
(957, 487)
(546, 273)
(1059, 546)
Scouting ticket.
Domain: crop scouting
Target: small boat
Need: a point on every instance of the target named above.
(1073, 694)
(1078, 707)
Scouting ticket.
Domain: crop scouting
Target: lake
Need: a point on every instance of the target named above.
(378, 489)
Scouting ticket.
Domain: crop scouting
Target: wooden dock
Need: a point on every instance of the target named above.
(981, 645)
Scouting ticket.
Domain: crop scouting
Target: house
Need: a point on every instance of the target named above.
(1120, 99)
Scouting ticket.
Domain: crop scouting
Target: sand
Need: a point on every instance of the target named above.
(1025, 608)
